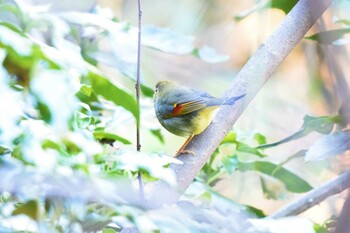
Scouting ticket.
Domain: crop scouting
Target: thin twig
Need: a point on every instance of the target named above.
(315, 196)
(138, 140)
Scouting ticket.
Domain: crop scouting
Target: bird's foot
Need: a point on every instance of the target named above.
(184, 152)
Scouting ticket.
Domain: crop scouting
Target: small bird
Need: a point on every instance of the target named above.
(184, 111)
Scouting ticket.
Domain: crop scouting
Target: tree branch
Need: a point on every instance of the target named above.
(137, 87)
(315, 196)
(249, 80)
(343, 223)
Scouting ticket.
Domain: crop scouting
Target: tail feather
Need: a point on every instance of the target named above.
(232, 100)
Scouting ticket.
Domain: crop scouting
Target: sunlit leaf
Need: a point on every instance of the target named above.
(255, 211)
(242, 147)
(230, 137)
(86, 95)
(292, 182)
(108, 230)
(230, 164)
(284, 5)
(30, 208)
(12, 106)
(158, 134)
(63, 184)
(344, 21)
(153, 164)
(7, 7)
(322, 124)
(83, 120)
(11, 26)
(102, 135)
(299, 154)
(55, 89)
(4, 150)
(261, 139)
(21, 45)
(329, 145)
(147, 91)
(320, 229)
(105, 88)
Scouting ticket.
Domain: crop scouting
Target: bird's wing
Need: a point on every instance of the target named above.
(186, 102)
(202, 93)
(188, 106)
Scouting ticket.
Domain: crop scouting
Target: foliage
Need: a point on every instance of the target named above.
(64, 161)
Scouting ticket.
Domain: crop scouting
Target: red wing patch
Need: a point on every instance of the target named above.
(177, 109)
(188, 107)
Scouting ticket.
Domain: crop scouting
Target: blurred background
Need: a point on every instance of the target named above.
(304, 84)
(313, 80)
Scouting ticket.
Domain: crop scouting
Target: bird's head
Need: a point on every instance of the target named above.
(163, 87)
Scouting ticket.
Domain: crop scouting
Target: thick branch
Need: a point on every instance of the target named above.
(249, 80)
(315, 196)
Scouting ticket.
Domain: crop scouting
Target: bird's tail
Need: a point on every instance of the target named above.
(232, 100)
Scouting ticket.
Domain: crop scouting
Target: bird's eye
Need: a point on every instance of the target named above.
(156, 89)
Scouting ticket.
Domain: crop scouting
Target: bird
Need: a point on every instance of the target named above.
(184, 111)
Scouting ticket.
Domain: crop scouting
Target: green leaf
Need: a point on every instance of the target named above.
(49, 144)
(292, 182)
(4, 150)
(284, 5)
(83, 120)
(261, 139)
(242, 147)
(44, 111)
(8, 7)
(108, 230)
(105, 88)
(257, 212)
(86, 95)
(12, 27)
(230, 164)
(229, 138)
(299, 154)
(30, 208)
(328, 37)
(153, 164)
(322, 124)
(101, 135)
(343, 21)
(157, 133)
(320, 228)
(147, 91)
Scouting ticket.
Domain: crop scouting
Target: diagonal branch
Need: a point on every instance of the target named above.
(249, 80)
(315, 196)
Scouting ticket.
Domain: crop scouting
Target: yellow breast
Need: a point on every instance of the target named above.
(203, 119)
